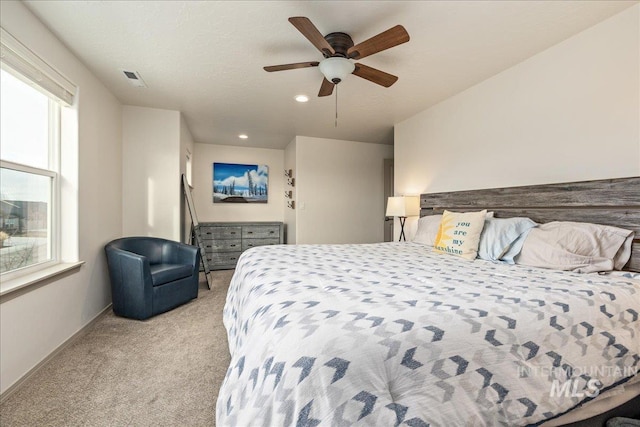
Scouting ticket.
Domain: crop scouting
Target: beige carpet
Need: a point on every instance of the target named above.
(165, 371)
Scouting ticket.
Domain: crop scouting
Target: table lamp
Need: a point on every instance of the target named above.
(402, 207)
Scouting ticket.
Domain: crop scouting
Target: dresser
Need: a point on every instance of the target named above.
(225, 241)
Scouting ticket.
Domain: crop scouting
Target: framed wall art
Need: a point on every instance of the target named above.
(239, 183)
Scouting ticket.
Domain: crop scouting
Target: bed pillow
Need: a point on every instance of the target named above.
(577, 246)
(510, 255)
(499, 234)
(427, 231)
(428, 227)
(459, 233)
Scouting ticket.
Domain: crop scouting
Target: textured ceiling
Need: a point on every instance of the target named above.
(205, 58)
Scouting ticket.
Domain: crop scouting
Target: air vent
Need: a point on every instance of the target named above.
(134, 79)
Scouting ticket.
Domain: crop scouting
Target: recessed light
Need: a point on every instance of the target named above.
(243, 136)
(302, 98)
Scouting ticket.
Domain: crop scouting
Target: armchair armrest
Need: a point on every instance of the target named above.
(131, 285)
(180, 253)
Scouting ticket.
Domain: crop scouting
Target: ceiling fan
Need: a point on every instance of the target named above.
(338, 50)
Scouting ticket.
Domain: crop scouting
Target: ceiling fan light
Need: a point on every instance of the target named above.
(335, 69)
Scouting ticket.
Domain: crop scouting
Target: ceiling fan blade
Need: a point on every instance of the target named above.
(385, 40)
(306, 27)
(374, 75)
(326, 89)
(291, 66)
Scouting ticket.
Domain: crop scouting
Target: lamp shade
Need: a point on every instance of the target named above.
(403, 206)
(335, 69)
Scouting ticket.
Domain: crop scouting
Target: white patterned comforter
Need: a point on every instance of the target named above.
(393, 334)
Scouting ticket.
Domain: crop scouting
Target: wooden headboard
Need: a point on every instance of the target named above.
(613, 202)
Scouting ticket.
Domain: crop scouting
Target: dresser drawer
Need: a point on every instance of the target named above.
(224, 258)
(252, 243)
(231, 245)
(221, 232)
(224, 242)
(260, 232)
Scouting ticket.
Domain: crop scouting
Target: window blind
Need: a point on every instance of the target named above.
(23, 63)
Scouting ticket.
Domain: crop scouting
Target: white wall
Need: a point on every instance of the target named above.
(290, 214)
(151, 172)
(570, 113)
(328, 173)
(207, 154)
(35, 323)
(186, 147)
(339, 190)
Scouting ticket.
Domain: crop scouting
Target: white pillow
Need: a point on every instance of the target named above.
(427, 229)
(577, 246)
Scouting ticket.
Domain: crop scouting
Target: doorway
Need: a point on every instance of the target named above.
(388, 192)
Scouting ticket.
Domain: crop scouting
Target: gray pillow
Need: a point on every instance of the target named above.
(577, 246)
(427, 229)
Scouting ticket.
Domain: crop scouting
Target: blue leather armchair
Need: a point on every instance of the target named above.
(150, 275)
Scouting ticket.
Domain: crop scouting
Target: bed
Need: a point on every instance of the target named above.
(397, 334)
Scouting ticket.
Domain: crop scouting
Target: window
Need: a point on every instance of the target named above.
(32, 97)
(30, 136)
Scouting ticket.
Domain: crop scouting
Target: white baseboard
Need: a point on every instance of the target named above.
(15, 386)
